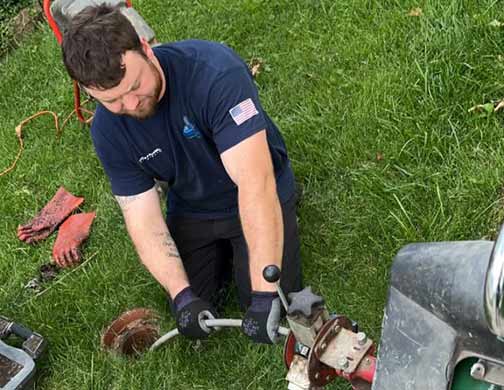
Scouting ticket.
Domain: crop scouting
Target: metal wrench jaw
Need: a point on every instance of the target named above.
(34, 344)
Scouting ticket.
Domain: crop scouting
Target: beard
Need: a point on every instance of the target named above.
(148, 104)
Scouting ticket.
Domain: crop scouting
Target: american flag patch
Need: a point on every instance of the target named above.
(243, 111)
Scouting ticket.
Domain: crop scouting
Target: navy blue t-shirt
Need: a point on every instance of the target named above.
(210, 104)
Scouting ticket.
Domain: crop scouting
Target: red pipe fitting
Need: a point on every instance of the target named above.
(365, 371)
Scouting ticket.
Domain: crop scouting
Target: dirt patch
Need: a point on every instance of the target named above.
(47, 273)
(14, 31)
(26, 22)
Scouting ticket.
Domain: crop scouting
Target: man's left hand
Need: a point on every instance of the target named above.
(262, 319)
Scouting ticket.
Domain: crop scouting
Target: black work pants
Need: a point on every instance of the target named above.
(215, 251)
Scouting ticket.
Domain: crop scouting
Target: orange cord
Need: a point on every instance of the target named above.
(59, 130)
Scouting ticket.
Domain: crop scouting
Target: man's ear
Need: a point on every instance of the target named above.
(146, 48)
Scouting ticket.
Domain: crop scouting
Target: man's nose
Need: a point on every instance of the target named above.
(130, 102)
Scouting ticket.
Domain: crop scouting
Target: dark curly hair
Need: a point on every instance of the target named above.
(94, 43)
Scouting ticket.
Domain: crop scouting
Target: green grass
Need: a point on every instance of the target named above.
(8, 10)
(345, 81)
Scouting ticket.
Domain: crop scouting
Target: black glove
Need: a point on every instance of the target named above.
(190, 311)
(262, 318)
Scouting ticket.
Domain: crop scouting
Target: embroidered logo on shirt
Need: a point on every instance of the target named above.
(190, 131)
(150, 156)
(243, 111)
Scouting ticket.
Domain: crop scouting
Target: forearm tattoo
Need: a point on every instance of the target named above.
(124, 201)
(169, 244)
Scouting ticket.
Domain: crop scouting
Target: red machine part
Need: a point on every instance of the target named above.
(289, 349)
(59, 38)
(321, 374)
(366, 369)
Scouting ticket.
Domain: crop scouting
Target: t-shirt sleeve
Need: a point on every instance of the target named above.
(125, 176)
(234, 111)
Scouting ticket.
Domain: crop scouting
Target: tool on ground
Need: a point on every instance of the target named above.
(50, 217)
(17, 365)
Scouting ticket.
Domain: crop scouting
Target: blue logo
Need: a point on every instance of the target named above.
(190, 131)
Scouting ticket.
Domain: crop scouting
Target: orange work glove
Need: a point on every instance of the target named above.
(72, 233)
(47, 220)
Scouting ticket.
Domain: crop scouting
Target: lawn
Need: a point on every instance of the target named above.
(374, 105)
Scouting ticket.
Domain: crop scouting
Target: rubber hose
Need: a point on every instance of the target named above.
(217, 323)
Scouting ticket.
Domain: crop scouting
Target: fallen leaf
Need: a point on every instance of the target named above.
(495, 23)
(379, 156)
(415, 12)
(255, 66)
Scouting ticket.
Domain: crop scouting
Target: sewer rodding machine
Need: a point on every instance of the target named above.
(443, 325)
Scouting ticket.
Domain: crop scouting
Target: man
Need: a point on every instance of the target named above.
(188, 113)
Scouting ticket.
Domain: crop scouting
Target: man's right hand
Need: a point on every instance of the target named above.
(190, 311)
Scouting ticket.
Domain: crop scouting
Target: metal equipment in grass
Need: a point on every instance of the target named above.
(443, 327)
(17, 365)
(320, 346)
(132, 333)
(314, 349)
